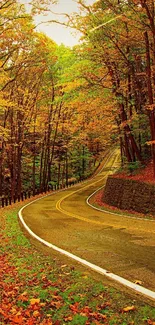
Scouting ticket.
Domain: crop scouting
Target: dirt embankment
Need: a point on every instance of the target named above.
(128, 194)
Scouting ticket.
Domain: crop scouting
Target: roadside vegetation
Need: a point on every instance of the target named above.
(41, 289)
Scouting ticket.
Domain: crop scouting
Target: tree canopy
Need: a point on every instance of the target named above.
(61, 107)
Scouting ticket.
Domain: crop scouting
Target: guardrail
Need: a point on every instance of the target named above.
(8, 200)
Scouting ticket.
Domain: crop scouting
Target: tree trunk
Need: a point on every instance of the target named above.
(66, 162)
(150, 97)
(34, 160)
(129, 135)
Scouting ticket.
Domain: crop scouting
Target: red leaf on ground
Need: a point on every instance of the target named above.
(30, 322)
(150, 322)
(18, 320)
(75, 307)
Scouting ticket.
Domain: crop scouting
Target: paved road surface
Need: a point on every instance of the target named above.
(122, 245)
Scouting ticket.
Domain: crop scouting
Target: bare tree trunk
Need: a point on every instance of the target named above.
(59, 171)
(128, 135)
(1, 168)
(66, 162)
(53, 144)
(12, 157)
(34, 158)
(83, 161)
(150, 97)
(42, 162)
(19, 152)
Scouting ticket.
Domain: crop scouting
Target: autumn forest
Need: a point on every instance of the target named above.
(61, 108)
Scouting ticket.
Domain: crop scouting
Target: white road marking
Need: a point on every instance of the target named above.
(129, 284)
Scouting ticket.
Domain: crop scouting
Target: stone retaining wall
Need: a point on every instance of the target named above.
(129, 194)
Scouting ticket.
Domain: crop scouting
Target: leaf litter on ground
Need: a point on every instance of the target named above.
(37, 289)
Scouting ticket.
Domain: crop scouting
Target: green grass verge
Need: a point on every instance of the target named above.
(40, 290)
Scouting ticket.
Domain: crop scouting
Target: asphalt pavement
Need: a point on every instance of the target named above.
(120, 244)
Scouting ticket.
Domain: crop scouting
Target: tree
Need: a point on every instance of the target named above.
(117, 44)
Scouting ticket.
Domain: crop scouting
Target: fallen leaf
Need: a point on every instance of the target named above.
(67, 319)
(44, 277)
(86, 309)
(138, 282)
(150, 322)
(27, 313)
(34, 301)
(23, 297)
(16, 288)
(62, 266)
(13, 311)
(18, 314)
(36, 313)
(74, 307)
(85, 277)
(17, 319)
(56, 297)
(128, 308)
(56, 304)
(2, 312)
(30, 322)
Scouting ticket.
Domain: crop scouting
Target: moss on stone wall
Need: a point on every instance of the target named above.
(129, 194)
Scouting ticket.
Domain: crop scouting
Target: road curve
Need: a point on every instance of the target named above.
(122, 245)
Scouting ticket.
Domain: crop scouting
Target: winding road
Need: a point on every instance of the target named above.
(120, 244)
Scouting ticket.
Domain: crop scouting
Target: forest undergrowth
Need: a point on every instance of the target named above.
(144, 174)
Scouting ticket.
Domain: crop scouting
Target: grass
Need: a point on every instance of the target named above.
(39, 289)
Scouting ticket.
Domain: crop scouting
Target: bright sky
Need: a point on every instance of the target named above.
(60, 34)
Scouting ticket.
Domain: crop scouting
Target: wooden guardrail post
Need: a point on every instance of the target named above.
(2, 202)
(6, 201)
